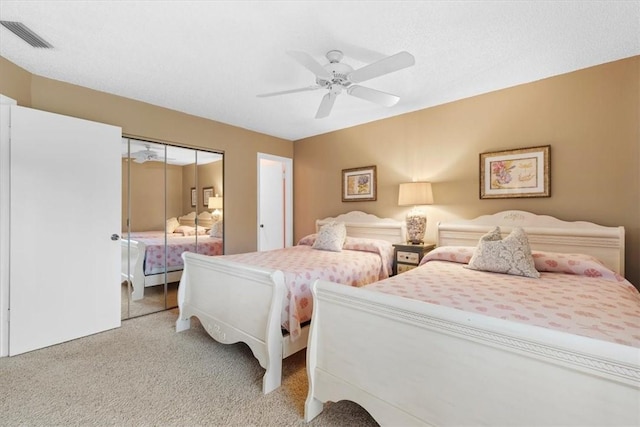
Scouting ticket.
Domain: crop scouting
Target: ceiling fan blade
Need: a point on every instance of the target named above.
(326, 105)
(311, 64)
(284, 92)
(373, 95)
(384, 66)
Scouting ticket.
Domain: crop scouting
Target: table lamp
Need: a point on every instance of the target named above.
(415, 194)
(215, 203)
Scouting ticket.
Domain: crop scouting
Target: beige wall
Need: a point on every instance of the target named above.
(145, 121)
(148, 194)
(148, 191)
(209, 175)
(590, 118)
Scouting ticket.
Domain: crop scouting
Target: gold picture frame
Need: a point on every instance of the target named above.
(522, 172)
(194, 199)
(359, 184)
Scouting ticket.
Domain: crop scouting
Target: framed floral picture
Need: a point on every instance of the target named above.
(359, 184)
(206, 193)
(194, 196)
(523, 172)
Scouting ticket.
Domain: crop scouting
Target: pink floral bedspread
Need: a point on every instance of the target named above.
(176, 245)
(574, 294)
(366, 262)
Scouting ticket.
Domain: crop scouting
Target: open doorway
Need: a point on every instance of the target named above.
(275, 202)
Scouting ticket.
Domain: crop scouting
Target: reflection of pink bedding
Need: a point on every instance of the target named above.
(176, 245)
(302, 265)
(599, 304)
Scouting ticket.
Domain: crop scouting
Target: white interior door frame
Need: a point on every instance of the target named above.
(5, 197)
(287, 165)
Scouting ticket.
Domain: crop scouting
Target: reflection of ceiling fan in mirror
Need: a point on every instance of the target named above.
(147, 155)
(338, 77)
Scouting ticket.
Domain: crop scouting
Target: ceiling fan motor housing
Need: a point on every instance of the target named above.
(339, 72)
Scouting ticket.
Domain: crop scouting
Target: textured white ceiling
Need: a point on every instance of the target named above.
(211, 58)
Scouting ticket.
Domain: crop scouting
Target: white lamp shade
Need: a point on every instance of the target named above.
(415, 193)
(215, 202)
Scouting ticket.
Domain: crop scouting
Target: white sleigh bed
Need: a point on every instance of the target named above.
(410, 362)
(137, 248)
(237, 302)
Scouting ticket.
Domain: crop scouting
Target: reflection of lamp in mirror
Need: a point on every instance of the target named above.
(415, 194)
(215, 203)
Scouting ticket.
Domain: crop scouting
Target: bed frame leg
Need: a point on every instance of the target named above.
(183, 324)
(312, 408)
(273, 377)
(138, 291)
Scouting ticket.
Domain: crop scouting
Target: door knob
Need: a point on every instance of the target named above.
(114, 237)
(261, 225)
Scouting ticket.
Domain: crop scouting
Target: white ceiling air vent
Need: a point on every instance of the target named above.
(22, 31)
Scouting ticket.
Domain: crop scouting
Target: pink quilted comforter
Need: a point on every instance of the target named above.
(176, 245)
(575, 293)
(362, 261)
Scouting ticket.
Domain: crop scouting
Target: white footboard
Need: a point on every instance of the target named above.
(133, 266)
(236, 303)
(412, 363)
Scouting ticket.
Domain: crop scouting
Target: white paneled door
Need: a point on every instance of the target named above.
(275, 217)
(64, 224)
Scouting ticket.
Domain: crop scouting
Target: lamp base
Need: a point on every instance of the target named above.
(416, 226)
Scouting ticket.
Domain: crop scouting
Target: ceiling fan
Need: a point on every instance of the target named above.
(337, 76)
(146, 155)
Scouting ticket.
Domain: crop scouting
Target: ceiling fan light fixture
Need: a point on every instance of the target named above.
(336, 76)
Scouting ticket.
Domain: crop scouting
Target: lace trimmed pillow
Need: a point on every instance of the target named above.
(331, 237)
(511, 255)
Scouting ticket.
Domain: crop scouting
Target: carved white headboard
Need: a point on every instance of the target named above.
(361, 224)
(205, 219)
(545, 233)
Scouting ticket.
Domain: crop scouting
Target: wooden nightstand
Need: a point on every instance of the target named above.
(408, 256)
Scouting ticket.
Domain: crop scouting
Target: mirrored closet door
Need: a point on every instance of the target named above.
(172, 200)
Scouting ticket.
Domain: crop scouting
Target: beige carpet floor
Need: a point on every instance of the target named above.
(153, 300)
(146, 374)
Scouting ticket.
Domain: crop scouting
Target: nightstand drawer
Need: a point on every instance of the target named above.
(409, 257)
(405, 267)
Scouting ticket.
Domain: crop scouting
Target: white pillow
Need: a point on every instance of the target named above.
(216, 229)
(331, 237)
(511, 255)
(172, 224)
(186, 230)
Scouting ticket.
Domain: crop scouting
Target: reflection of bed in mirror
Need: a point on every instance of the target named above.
(263, 298)
(444, 344)
(145, 250)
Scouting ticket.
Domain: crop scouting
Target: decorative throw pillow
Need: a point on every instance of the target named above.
(331, 237)
(216, 229)
(172, 224)
(511, 255)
